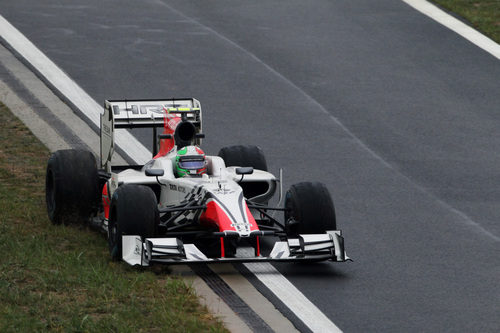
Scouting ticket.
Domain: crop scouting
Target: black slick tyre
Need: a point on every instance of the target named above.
(71, 187)
(309, 209)
(244, 156)
(133, 211)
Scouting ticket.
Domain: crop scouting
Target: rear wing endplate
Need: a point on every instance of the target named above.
(142, 114)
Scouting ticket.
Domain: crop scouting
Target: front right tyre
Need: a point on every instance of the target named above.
(133, 211)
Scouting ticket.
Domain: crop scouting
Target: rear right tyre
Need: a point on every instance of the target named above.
(244, 156)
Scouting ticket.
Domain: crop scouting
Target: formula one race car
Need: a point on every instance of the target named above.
(184, 206)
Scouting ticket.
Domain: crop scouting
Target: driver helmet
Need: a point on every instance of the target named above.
(190, 161)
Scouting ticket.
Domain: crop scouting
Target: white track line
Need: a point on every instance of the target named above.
(460, 28)
(68, 88)
(277, 283)
(300, 305)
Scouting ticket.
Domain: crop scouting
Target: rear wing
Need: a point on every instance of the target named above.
(143, 114)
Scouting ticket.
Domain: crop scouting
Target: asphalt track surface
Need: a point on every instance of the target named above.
(397, 115)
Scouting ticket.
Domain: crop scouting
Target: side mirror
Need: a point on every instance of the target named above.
(244, 171)
(154, 172)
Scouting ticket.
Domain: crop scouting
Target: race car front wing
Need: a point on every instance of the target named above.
(307, 247)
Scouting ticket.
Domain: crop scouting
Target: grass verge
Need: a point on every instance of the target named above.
(56, 278)
(483, 15)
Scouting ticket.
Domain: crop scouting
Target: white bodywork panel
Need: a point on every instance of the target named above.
(132, 250)
(220, 182)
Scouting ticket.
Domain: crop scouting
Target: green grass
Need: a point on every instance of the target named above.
(61, 278)
(483, 15)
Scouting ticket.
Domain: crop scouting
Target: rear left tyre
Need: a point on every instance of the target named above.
(133, 211)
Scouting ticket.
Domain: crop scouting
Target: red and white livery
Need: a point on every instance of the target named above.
(153, 213)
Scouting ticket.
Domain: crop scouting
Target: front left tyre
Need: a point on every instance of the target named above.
(134, 211)
(309, 209)
(71, 187)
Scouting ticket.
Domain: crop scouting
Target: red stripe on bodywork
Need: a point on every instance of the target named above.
(106, 202)
(214, 214)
